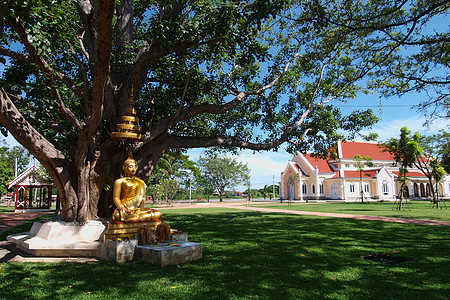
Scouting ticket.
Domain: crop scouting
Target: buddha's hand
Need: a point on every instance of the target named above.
(124, 209)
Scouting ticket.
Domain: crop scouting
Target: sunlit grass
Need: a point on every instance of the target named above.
(6, 209)
(255, 255)
(414, 209)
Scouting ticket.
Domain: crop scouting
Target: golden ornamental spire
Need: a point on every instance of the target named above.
(128, 128)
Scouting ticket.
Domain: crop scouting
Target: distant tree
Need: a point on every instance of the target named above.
(5, 176)
(266, 192)
(438, 147)
(269, 191)
(169, 187)
(405, 151)
(437, 173)
(156, 191)
(431, 161)
(8, 158)
(205, 185)
(222, 172)
(361, 163)
(172, 169)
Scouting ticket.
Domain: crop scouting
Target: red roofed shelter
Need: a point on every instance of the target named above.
(309, 178)
(33, 192)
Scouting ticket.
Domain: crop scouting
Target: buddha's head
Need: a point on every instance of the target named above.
(129, 166)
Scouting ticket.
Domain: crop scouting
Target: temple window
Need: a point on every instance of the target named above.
(385, 187)
(352, 187)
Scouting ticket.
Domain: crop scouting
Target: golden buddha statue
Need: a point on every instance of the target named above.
(129, 197)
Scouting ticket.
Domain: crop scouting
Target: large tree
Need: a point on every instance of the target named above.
(432, 159)
(252, 74)
(361, 163)
(405, 151)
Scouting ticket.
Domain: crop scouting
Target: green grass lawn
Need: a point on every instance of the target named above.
(5, 209)
(255, 255)
(417, 209)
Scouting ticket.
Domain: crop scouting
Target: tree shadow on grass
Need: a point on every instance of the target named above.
(260, 255)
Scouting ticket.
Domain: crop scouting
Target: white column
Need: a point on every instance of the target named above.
(300, 185)
(282, 186)
(343, 189)
(317, 182)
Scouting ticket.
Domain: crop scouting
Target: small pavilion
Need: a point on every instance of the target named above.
(32, 191)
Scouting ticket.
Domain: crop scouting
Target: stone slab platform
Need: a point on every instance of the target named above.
(59, 239)
(166, 255)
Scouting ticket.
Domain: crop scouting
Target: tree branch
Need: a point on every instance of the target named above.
(271, 84)
(195, 110)
(29, 137)
(14, 55)
(102, 67)
(48, 72)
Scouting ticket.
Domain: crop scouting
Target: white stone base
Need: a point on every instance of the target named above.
(165, 255)
(118, 251)
(59, 239)
(178, 236)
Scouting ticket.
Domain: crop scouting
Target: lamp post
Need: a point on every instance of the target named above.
(190, 189)
(273, 187)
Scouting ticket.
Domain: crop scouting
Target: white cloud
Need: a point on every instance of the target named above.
(263, 165)
(391, 129)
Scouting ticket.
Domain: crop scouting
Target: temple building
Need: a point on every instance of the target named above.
(309, 178)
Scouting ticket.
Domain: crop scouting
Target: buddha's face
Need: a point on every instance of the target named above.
(130, 168)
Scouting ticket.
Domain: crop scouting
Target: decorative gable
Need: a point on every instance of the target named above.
(32, 176)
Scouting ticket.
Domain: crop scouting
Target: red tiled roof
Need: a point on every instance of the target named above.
(322, 164)
(410, 174)
(350, 149)
(336, 175)
(365, 174)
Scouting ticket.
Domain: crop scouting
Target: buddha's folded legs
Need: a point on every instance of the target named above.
(137, 215)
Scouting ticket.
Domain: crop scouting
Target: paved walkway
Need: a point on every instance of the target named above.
(11, 220)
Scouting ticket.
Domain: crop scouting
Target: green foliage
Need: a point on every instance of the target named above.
(221, 173)
(172, 170)
(437, 146)
(8, 158)
(6, 175)
(405, 151)
(362, 162)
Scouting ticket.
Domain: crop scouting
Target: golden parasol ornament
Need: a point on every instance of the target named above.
(128, 129)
